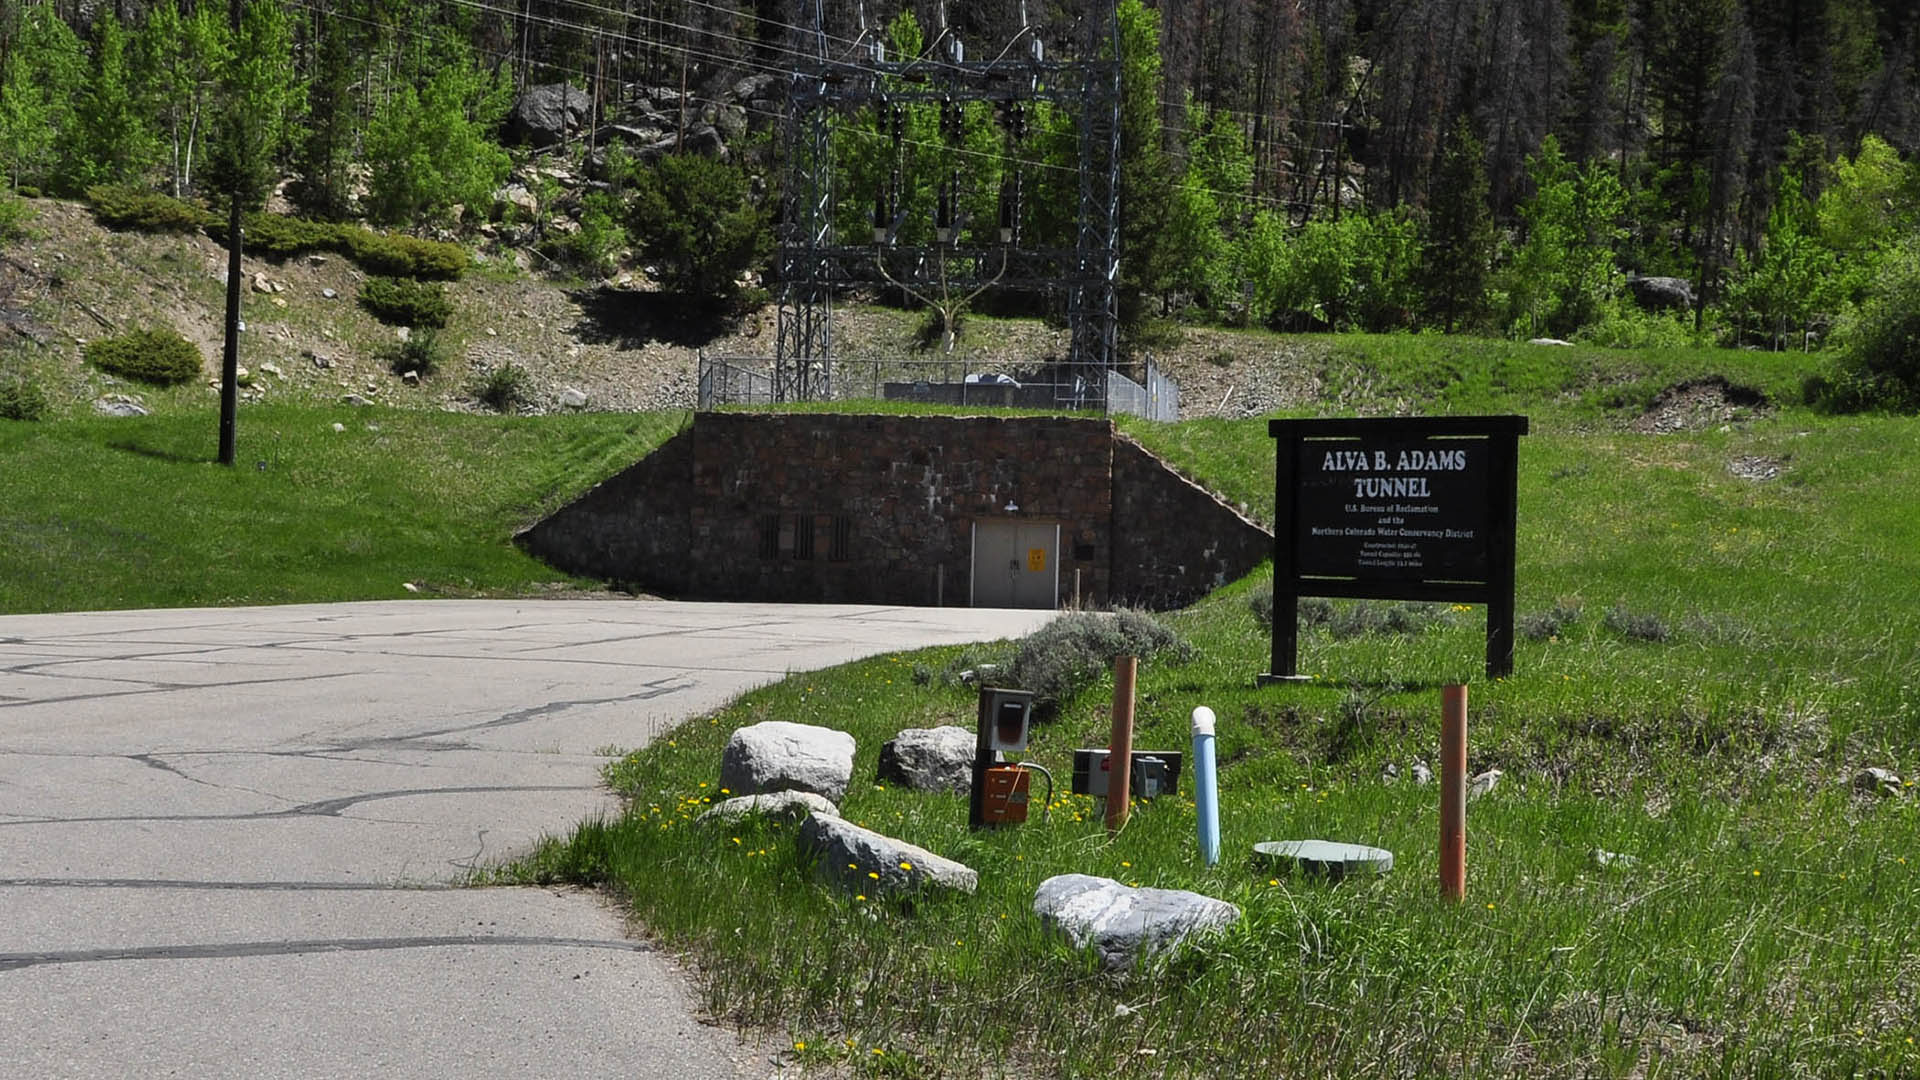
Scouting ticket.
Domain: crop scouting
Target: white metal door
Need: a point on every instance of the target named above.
(1016, 564)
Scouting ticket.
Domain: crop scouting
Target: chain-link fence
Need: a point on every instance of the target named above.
(749, 380)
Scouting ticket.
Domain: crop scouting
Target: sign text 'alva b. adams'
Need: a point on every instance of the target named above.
(1395, 509)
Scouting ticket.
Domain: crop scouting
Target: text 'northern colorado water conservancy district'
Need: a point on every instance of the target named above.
(1409, 511)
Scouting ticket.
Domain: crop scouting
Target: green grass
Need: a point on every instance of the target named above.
(1766, 931)
(133, 513)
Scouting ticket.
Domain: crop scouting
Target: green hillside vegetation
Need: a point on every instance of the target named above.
(1719, 633)
(309, 514)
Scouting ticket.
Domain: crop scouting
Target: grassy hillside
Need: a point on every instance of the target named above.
(133, 513)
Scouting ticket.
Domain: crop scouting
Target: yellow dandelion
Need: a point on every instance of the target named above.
(1123, 862)
(703, 783)
(1273, 881)
(1756, 873)
(859, 896)
(725, 791)
(874, 874)
(736, 839)
(906, 866)
(1489, 907)
(799, 1046)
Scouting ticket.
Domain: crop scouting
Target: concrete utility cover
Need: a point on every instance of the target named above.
(227, 836)
(1335, 860)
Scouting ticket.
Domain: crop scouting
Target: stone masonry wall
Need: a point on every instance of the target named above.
(1174, 541)
(880, 509)
(632, 527)
(902, 492)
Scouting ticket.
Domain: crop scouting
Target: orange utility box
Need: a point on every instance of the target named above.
(1005, 801)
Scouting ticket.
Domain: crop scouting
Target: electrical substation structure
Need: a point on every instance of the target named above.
(866, 86)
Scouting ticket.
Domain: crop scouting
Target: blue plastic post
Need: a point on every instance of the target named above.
(1206, 794)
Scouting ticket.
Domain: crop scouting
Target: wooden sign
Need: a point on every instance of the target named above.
(1395, 509)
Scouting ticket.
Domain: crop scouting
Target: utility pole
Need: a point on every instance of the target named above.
(230, 355)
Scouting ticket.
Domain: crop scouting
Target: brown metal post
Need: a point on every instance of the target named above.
(1120, 746)
(1453, 792)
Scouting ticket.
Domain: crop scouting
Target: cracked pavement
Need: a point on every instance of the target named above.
(229, 837)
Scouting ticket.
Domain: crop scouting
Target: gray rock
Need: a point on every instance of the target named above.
(545, 115)
(1877, 781)
(411, 378)
(1389, 773)
(929, 759)
(329, 294)
(1661, 293)
(119, 405)
(706, 140)
(1420, 773)
(782, 756)
(731, 120)
(355, 400)
(786, 806)
(1483, 784)
(865, 862)
(1126, 926)
(1612, 860)
(518, 197)
(573, 398)
(765, 85)
(1549, 341)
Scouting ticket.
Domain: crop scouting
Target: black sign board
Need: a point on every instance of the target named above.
(1395, 509)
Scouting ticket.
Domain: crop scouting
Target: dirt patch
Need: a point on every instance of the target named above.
(1698, 404)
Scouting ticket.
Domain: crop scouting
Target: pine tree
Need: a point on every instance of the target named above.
(1458, 239)
(39, 77)
(260, 101)
(111, 142)
(1146, 177)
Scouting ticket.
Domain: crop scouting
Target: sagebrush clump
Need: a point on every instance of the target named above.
(160, 357)
(503, 388)
(1070, 653)
(21, 398)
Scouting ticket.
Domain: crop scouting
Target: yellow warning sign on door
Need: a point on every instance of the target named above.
(1037, 560)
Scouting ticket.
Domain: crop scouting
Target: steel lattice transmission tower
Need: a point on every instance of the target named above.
(814, 263)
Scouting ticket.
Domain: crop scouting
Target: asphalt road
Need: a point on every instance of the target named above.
(227, 836)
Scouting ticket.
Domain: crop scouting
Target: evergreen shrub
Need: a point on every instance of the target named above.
(124, 207)
(406, 302)
(160, 357)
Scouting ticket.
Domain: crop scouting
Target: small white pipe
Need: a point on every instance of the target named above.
(1206, 794)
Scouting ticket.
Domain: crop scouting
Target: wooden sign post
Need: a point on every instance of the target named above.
(1406, 508)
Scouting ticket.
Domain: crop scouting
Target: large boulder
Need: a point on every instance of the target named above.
(762, 87)
(781, 756)
(865, 862)
(546, 115)
(1661, 293)
(929, 759)
(787, 806)
(1124, 925)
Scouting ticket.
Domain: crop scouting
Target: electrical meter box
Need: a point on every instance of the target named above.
(1154, 773)
(1005, 799)
(1005, 716)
